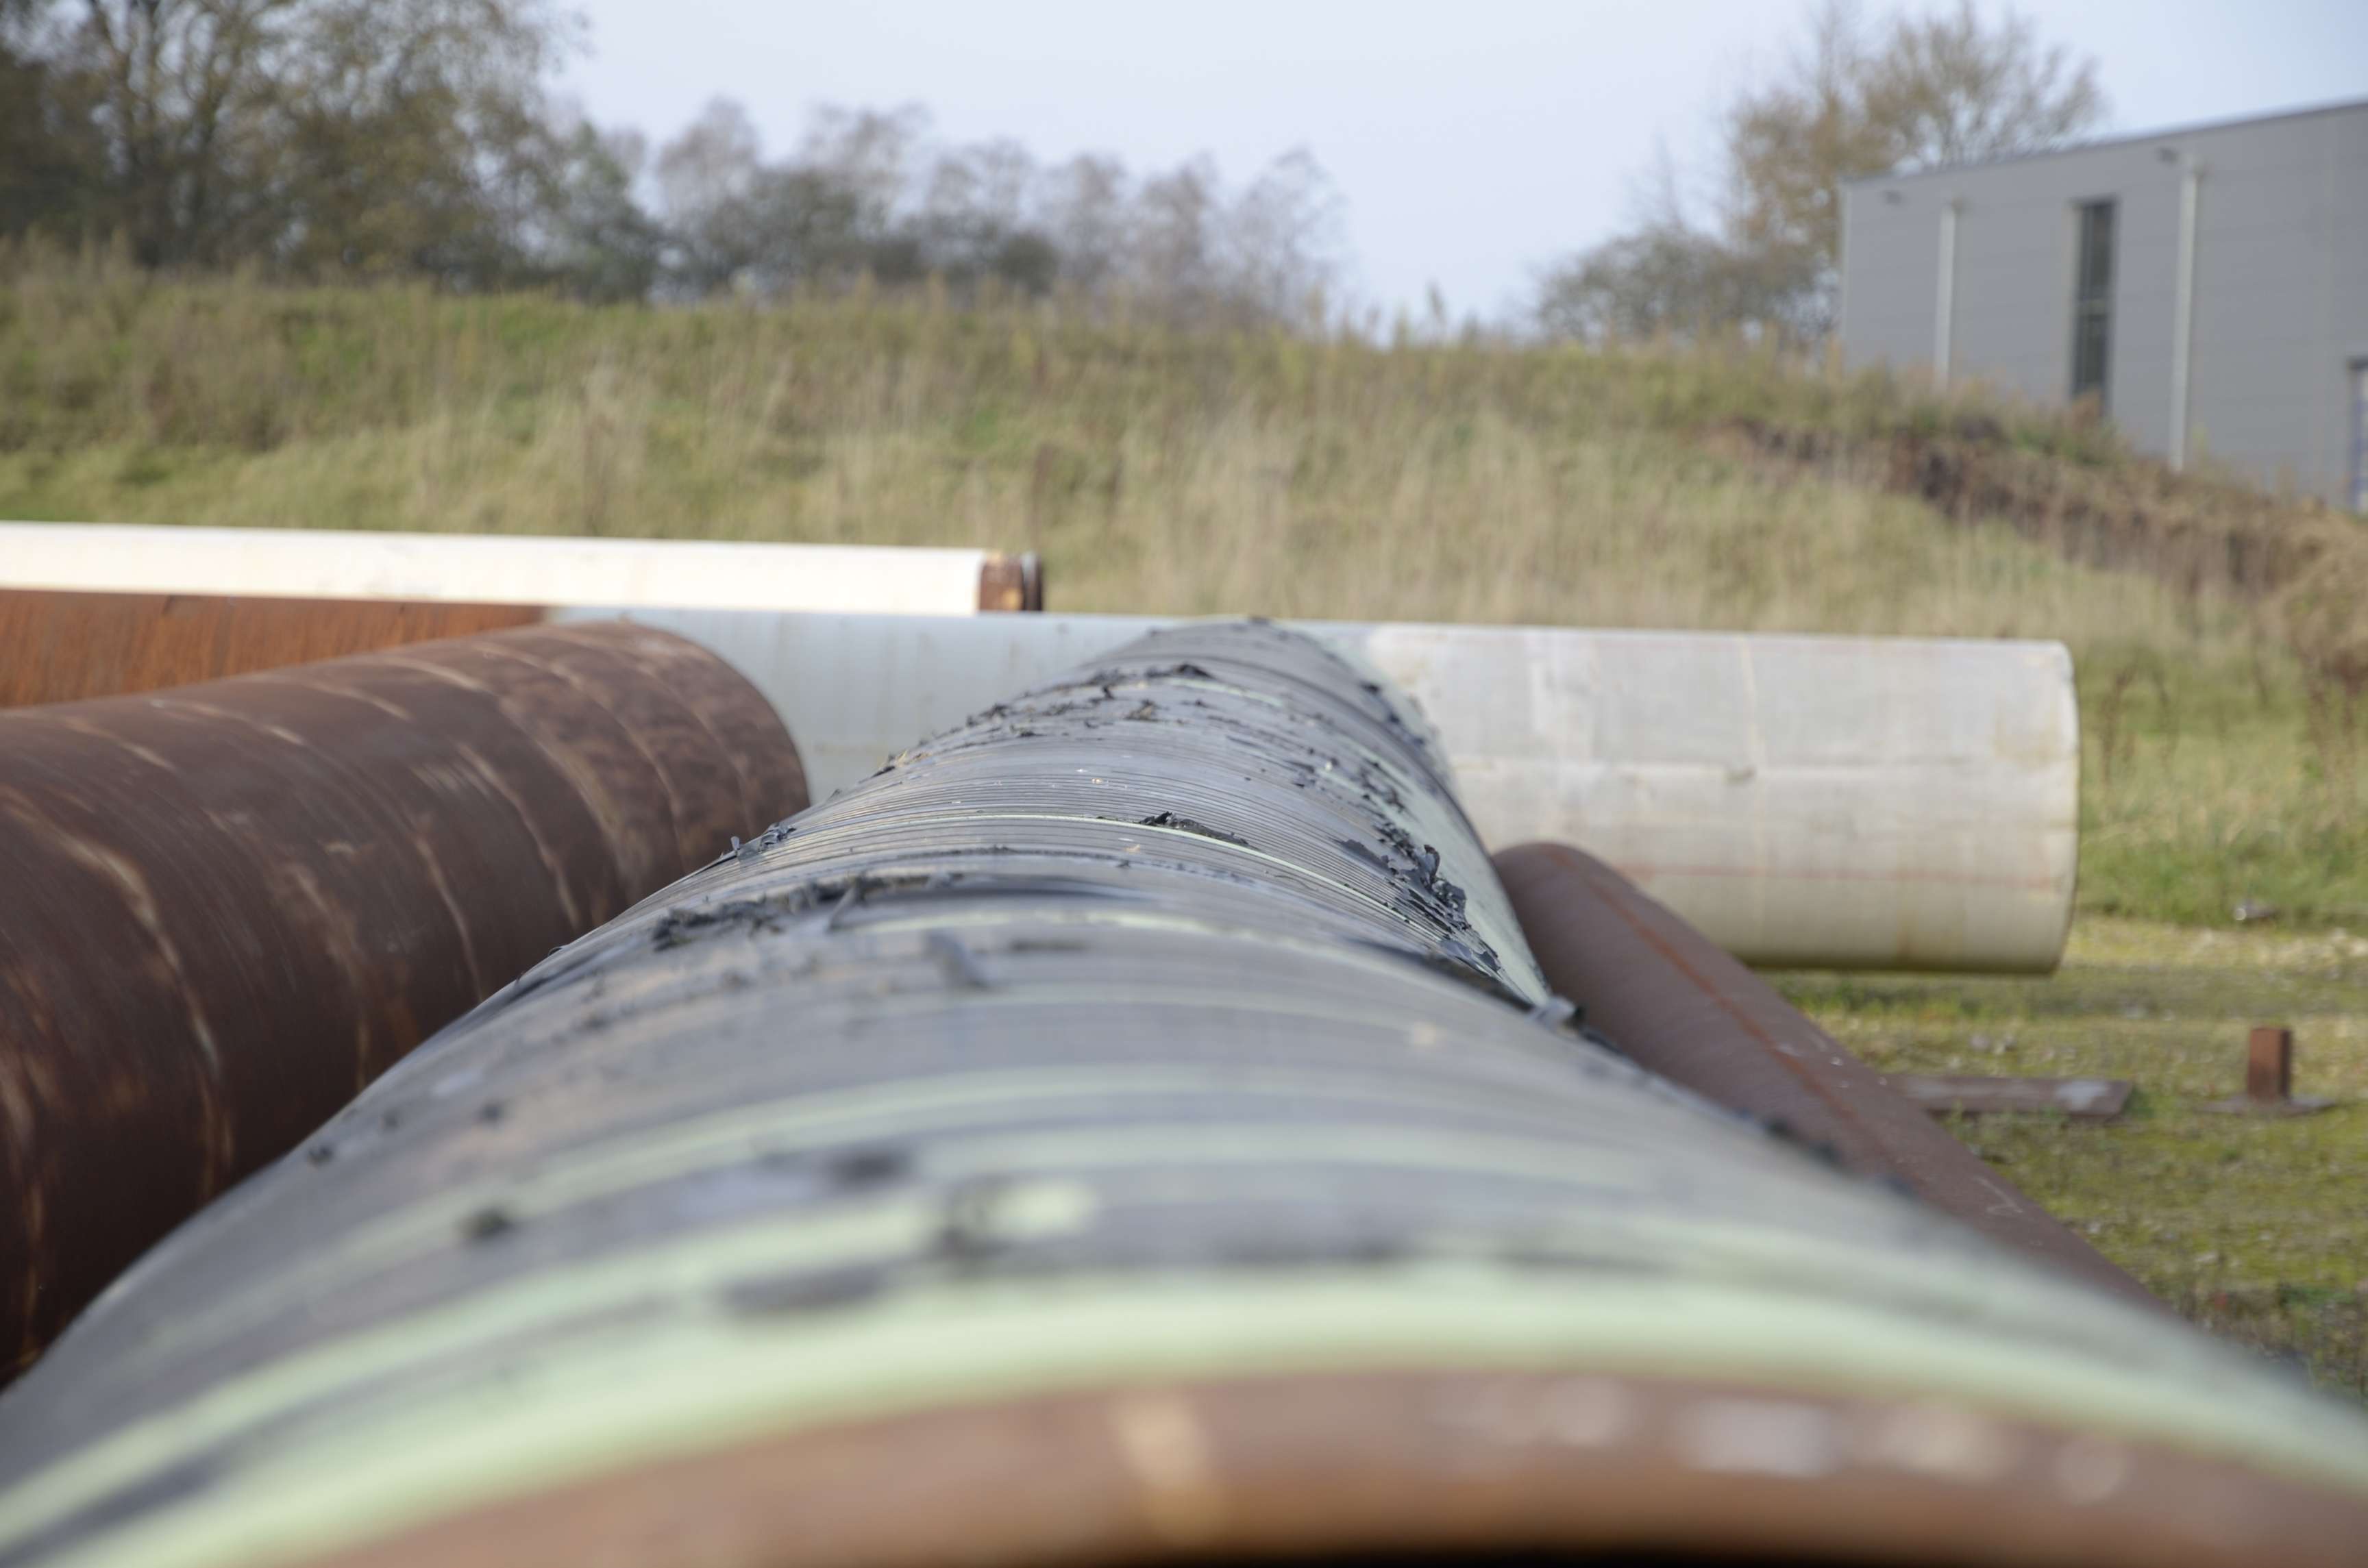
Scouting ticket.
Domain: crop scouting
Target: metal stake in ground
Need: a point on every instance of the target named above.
(2269, 1077)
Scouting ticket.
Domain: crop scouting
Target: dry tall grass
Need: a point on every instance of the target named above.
(1156, 471)
(1188, 472)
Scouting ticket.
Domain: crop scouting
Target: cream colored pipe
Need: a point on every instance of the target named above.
(1833, 802)
(488, 569)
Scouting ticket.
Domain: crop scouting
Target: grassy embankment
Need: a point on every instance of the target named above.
(2216, 631)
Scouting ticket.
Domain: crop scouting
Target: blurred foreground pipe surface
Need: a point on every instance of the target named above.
(1674, 1002)
(230, 906)
(1131, 1127)
(1857, 802)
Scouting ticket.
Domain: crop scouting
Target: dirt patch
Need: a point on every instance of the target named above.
(2301, 564)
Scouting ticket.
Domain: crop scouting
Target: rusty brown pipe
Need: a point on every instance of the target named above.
(228, 907)
(1675, 1003)
(73, 647)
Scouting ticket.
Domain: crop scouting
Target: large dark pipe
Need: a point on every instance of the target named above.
(1673, 1002)
(230, 906)
(1129, 1129)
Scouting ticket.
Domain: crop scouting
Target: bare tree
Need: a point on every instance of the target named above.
(1270, 254)
(984, 186)
(1082, 208)
(1850, 102)
(1283, 242)
(977, 218)
(1791, 143)
(712, 163)
(706, 180)
(181, 95)
(863, 195)
(1172, 248)
(1948, 90)
(869, 154)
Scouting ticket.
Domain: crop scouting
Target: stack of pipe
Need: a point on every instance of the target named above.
(90, 611)
(1130, 1127)
(230, 906)
(1845, 801)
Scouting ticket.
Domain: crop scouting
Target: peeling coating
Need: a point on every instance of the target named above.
(231, 907)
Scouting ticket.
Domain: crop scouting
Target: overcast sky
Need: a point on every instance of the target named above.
(1473, 140)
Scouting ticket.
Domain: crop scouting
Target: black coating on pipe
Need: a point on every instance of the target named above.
(1198, 939)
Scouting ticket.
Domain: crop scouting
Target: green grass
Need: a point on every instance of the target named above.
(2204, 788)
(2257, 1226)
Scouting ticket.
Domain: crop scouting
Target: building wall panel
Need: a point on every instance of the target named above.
(2281, 285)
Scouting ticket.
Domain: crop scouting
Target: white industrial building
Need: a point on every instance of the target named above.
(2208, 285)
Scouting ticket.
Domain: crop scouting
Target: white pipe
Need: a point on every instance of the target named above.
(485, 569)
(1944, 315)
(2182, 338)
(1844, 802)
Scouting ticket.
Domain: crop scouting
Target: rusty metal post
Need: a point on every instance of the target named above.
(227, 907)
(2268, 1065)
(1011, 582)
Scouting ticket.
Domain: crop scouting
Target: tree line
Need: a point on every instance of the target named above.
(325, 139)
(1854, 99)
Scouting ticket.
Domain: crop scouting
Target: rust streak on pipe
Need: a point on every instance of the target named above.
(232, 905)
(72, 647)
(1676, 1004)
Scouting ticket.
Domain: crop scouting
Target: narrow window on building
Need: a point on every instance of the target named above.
(2092, 301)
(2359, 438)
